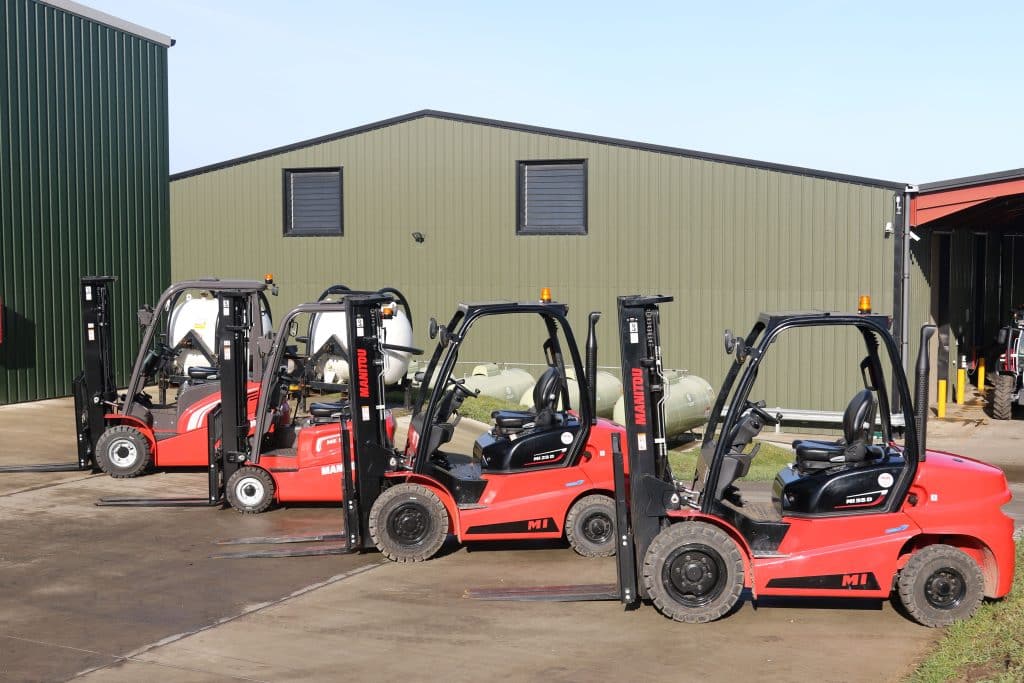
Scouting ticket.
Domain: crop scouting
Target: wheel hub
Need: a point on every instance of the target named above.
(249, 491)
(409, 524)
(945, 588)
(694, 575)
(123, 453)
(597, 528)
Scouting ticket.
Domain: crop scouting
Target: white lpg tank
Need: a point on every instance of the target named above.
(194, 312)
(197, 311)
(397, 330)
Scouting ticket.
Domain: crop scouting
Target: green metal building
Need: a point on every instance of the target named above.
(449, 207)
(83, 183)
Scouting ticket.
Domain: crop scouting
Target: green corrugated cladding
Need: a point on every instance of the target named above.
(83, 188)
(727, 240)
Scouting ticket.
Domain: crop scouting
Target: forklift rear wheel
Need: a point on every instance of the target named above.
(123, 452)
(408, 523)
(940, 585)
(250, 490)
(1002, 396)
(590, 526)
(693, 572)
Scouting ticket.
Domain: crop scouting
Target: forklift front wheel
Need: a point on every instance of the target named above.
(940, 584)
(250, 490)
(123, 452)
(408, 523)
(693, 572)
(590, 526)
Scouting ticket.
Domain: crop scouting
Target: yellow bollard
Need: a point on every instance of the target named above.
(981, 375)
(942, 398)
(961, 380)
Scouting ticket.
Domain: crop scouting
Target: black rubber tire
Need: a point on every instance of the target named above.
(940, 585)
(1002, 393)
(590, 526)
(408, 523)
(250, 490)
(707, 568)
(123, 452)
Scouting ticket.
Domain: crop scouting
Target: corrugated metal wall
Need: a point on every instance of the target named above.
(83, 187)
(727, 240)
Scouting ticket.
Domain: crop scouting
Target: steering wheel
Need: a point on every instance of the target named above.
(460, 386)
(155, 358)
(454, 395)
(766, 417)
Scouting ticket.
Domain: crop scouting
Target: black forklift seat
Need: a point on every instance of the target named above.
(202, 372)
(326, 409)
(545, 400)
(858, 424)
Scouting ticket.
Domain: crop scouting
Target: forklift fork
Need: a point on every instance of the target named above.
(348, 545)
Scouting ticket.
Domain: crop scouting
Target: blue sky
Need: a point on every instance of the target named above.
(902, 91)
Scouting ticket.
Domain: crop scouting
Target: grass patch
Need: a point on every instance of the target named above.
(481, 407)
(770, 459)
(988, 647)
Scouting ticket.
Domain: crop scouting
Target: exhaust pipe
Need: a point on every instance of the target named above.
(592, 364)
(921, 390)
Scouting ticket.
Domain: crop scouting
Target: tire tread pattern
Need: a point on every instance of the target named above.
(1002, 402)
(268, 486)
(682, 533)
(143, 465)
(917, 606)
(581, 545)
(378, 523)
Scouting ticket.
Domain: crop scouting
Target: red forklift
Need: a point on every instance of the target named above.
(857, 517)
(129, 434)
(297, 453)
(542, 473)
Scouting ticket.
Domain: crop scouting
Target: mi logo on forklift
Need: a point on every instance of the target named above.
(855, 580)
(537, 524)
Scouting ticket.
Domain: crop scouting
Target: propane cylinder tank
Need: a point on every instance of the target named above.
(194, 312)
(688, 401)
(496, 381)
(334, 368)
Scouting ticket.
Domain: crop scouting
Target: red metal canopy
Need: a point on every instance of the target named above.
(941, 199)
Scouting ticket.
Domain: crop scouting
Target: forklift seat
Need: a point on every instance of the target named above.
(326, 409)
(545, 400)
(202, 372)
(858, 424)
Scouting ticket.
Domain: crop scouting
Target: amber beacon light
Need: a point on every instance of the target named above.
(864, 304)
(545, 295)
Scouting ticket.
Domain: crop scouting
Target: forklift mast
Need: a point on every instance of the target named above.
(642, 506)
(235, 326)
(374, 452)
(94, 388)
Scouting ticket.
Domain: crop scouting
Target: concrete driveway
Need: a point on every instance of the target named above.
(131, 594)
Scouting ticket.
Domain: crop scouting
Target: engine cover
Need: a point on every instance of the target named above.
(838, 490)
(532, 449)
